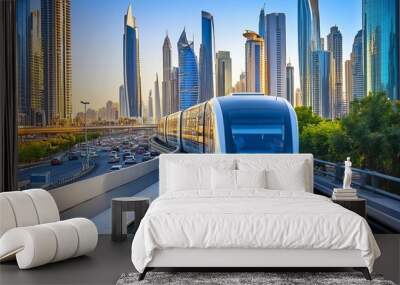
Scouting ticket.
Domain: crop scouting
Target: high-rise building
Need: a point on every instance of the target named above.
(157, 101)
(57, 60)
(322, 44)
(166, 83)
(315, 36)
(255, 62)
(334, 40)
(348, 83)
(132, 79)
(123, 102)
(22, 27)
(290, 84)
(381, 46)
(320, 85)
(223, 73)
(188, 73)
(207, 53)
(357, 67)
(37, 116)
(299, 100)
(262, 31)
(276, 53)
(240, 86)
(150, 106)
(174, 90)
(261, 23)
(304, 20)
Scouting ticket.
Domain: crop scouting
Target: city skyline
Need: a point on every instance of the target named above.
(150, 64)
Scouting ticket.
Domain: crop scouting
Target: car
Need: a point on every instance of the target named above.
(116, 167)
(115, 148)
(140, 150)
(113, 159)
(146, 156)
(73, 156)
(154, 153)
(56, 161)
(130, 160)
(126, 154)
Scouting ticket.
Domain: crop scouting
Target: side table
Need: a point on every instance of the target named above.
(119, 207)
(356, 205)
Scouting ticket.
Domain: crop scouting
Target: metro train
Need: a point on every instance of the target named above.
(240, 123)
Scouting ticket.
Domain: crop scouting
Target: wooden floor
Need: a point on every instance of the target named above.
(110, 259)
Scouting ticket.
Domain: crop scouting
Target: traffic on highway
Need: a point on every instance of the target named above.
(83, 161)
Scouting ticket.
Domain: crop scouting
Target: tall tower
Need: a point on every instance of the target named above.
(123, 102)
(22, 29)
(157, 103)
(223, 73)
(381, 46)
(276, 53)
(290, 84)
(37, 117)
(348, 83)
(166, 83)
(188, 73)
(304, 48)
(334, 40)
(315, 37)
(174, 89)
(357, 70)
(255, 62)
(321, 83)
(132, 80)
(206, 57)
(262, 31)
(57, 60)
(150, 106)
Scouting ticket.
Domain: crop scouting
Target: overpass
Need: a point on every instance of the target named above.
(25, 131)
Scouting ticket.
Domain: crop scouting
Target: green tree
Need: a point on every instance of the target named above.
(306, 117)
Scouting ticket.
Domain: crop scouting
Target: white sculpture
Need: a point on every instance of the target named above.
(347, 174)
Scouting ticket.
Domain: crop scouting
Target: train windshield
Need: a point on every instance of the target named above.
(257, 130)
(250, 138)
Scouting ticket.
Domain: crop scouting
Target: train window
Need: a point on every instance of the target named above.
(257, 130)
(250, 138)
(209, 130)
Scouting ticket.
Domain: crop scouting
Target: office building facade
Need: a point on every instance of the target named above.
(381, 46)
(290, 84)
(157, 100)
(188, 73)
(132, 79)
(223, 73)
(321, 83)
(255, 62)
(276, 53)
(357, 67)
(57, 60)
(348, 64)
(335, 46)
(207, 53)
(166, 83)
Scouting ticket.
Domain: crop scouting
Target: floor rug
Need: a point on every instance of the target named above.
(243, 278)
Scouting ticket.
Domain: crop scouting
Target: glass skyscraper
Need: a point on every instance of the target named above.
(206, 57)
(320, 85)
(275, 41)
(255, 62)
(132, 66)
(188, 73)
(223, 73)
(335, 46)
(166, 83)
(290, 84)
(381, 46)
(57, 60)
(357, 70)
(304, 47)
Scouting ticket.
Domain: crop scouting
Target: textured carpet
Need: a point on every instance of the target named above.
(229, 278)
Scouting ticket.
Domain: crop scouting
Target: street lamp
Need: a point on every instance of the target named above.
(86, 142)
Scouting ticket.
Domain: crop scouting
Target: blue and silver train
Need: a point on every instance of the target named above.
(241, 123)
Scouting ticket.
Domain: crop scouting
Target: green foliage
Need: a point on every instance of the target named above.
(370, 134)
(33, 151)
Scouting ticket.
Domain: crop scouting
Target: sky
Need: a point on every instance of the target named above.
(98, 27)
